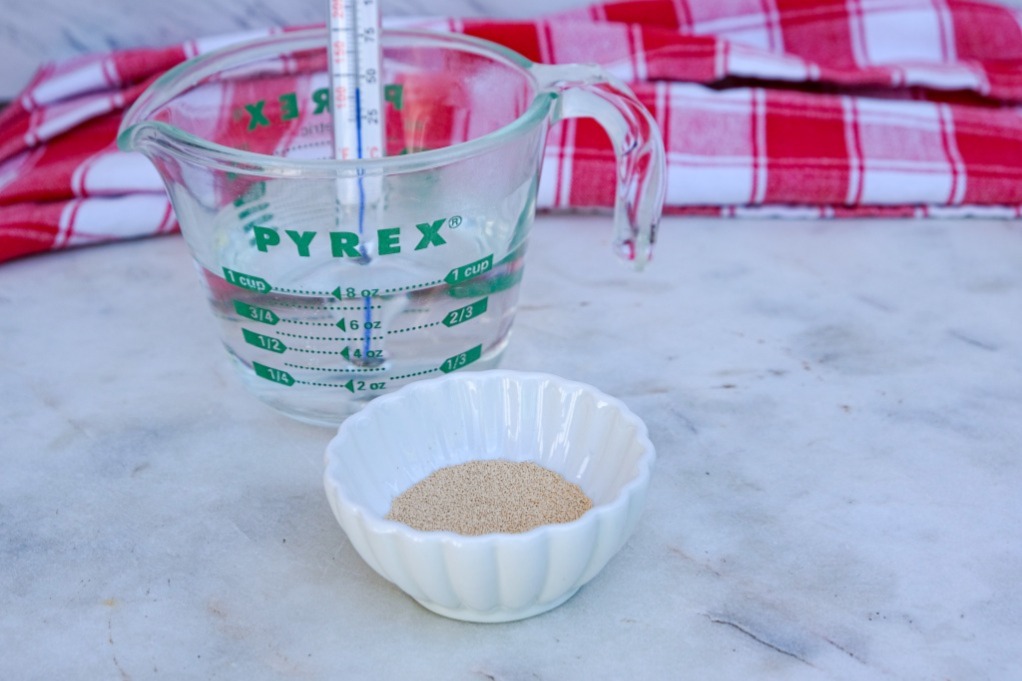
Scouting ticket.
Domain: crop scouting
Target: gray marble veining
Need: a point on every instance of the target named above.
(835, 407)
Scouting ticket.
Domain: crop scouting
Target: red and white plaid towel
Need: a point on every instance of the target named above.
(768, 107)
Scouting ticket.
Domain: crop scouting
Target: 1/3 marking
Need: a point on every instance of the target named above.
(461, 360)
(272, 374)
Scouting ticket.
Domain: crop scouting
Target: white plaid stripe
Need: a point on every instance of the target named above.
(65, 226)
(546, 43)
(116, 172)
(775, 37)
(682, 12)
(759, 151)
(89, 221)
(854, 144)
(638, 55)
(13, 167)
(947, 30)
(82, 76)
(740, 21)
(857, 32)
(744, 61)
(897, 31)
(946, 76)
(710, 148)
(903, 153)
(954, 156)
(606, 44)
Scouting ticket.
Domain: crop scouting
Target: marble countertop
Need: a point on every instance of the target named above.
(836, 411)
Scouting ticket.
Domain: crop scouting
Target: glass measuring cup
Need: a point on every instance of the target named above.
(337, 280)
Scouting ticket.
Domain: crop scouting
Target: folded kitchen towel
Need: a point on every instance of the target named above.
(797, 108)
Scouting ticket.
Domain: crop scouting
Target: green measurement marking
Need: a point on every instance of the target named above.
(464, 314)
(361, 353)
(254, 192)
(247, 281)
(304, 323)
(413, 375)
(364, 386)
(413, 328)
(262, 341)
(300, 292)
(335, 370)
(352, 292)
(486, 286)
(413, 287)
(329, 307)
(273, 374)
(319, 384)
(352, 385)
(328, 338)
(358, 324)
(258, 314)
(473, 269)
(461, 360)
(344, 294)
(242, 214)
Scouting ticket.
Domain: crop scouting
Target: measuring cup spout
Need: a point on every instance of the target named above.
(138, 136)
(585, 91)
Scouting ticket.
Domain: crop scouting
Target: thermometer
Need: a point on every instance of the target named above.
(357, 99)
(355, 76)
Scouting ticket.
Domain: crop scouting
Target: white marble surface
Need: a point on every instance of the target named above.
(836, 410)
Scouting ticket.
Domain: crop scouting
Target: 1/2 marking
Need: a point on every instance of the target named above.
(262, 341)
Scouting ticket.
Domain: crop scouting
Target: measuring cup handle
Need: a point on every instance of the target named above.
(590, 92)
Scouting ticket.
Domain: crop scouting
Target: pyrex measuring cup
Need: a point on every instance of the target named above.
(338, 280)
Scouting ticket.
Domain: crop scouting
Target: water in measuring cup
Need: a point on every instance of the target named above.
(317, 339)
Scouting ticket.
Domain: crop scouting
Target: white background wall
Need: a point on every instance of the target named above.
(34, 31)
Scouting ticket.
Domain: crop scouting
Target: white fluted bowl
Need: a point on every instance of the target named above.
(589, 438)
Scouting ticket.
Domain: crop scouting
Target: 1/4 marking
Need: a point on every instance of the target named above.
(272, 374)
